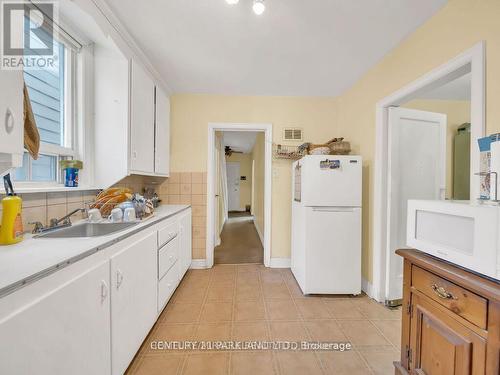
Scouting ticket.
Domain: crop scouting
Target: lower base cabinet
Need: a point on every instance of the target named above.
(65, 331)
(451, 319)
(133, 299)
(95, 321)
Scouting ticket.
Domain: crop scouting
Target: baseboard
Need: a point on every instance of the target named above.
(280, 263)
(198, 264)
(367, 287)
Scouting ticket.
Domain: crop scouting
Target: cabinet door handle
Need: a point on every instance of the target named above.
(9, 121)
(104, 290)
(441, 292)
(119, 279)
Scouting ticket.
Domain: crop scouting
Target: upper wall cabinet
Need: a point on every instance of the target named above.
(11, 120)
(132, 121)
(142, 130)
(162, 133)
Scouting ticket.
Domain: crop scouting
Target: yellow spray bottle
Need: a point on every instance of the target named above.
(11, 230)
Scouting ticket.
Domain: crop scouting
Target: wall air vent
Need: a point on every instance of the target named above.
(293, 134)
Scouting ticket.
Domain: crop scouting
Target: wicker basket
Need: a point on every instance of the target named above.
(339, 147)
(319, 149)
(287, 152)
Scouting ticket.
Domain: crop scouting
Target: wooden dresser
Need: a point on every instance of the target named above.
(451, 319)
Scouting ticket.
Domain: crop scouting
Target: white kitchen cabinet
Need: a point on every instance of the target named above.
(133, 299)
(65, 331)
(185, 242)
(142, 146)
(162, 133)
(11, 120)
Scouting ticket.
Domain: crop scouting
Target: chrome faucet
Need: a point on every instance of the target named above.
(63, 222)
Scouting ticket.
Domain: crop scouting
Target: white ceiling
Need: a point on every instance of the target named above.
(458, 89)
(297, 47)
(240, 141)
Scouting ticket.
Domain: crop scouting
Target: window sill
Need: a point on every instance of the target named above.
(50, 189)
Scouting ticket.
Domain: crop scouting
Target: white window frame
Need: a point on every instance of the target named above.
(74, 63)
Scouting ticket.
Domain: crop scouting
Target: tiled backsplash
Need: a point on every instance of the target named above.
(189, 188)
(44, 206)
(179, 188)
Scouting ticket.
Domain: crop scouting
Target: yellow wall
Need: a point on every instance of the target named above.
(245, 161)
(455, 28)
(189, 130)
(457, 113)
(258, 157)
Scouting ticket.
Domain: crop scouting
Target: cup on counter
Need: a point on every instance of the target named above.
(116, 215)
(94, 215)
(129, 214)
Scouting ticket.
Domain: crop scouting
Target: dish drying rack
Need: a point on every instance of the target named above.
(288, 152)
(141, 211)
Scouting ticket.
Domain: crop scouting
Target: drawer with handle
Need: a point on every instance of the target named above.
(167, 233)
(461, 301)
(167, 256)
(167, 285)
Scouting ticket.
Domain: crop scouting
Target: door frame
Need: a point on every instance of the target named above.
(239, 190)
(473, 61)
(267, 129)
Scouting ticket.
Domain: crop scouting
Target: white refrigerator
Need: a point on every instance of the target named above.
(326, 224)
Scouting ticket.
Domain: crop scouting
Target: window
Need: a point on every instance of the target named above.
(52, 95)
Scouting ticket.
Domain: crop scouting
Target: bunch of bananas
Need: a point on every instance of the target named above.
(108, 199)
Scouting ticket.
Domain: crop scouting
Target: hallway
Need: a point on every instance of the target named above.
(240, 242)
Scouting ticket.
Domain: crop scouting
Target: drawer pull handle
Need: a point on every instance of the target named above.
(441, 292)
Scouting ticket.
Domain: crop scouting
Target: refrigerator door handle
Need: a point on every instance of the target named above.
(334, 209)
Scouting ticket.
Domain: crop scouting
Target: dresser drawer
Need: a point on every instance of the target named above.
(462, 302)
(167, 256)
(168, 232)
(167, 285)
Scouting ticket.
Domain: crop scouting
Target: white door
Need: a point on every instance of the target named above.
(233, 186)
(416, 170)
(162, 133)
(134, 282)
(64, 332)
(142, 120)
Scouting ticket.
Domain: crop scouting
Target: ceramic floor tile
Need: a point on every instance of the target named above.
(342, 309)
(213, 332)
(167, 364)
(276, 291)
(217, 312)
(344, 363)
(248, 293)
(220, 293)
(325, 331)
(381, 362)
(249, 310)
(312, 308)
(282, 310)
(391, 329)
(362, 333)
(245, 363)
(250, 331)
(181, 313)
(187, 295)
(288, 331)
(168, 333)
(207, 364)
(299, 363)
(374, 310)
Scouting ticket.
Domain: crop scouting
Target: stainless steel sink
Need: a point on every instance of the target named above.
(86, 230)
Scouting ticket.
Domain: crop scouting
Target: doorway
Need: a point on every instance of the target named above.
(403, 120)
(239, 193)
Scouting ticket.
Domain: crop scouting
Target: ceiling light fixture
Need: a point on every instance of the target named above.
(258, 7)
(232, 2)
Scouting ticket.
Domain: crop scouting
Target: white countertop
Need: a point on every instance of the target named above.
(35, 257)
